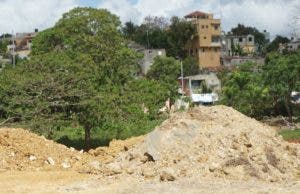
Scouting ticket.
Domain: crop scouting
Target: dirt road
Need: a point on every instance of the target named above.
(73, 182)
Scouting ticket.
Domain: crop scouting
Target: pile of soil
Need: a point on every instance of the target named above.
(211, 142)
(108, 154)
(23, 150)
(203, 142)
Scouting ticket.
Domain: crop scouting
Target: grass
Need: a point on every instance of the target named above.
(74, 137)
(289, 135)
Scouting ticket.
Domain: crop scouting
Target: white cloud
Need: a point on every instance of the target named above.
(26, 15)
(272, 15)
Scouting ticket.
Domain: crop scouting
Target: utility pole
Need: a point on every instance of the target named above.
(13, 53)
(181, 66)
(148, 39)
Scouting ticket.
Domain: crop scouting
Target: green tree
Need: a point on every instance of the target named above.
(167, 71)
(281, 74)
(190, 66)
(86, 40)
(3, 47)
(80, 75)
(243, 90)
(274, 45)
(179, 32)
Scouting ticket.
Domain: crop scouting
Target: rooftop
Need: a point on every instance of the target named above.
(196, 14)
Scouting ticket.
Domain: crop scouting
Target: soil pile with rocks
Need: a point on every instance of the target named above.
(211, 142)
(109, 153)
(23, 150)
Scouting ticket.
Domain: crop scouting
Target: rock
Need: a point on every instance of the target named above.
(66, 165)
(115, 168)
(95, 165)
(148, 172)
(214, 166)
(167, 176)
(50, 161)
(32, 158)
(72, 149)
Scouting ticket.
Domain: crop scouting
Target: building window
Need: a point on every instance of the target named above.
(215, 39)
(204, 37)
(202, 26)
(196, 51)
(216, 49)
(241, 39)
(216, 27)
(250, 39)
(203, 50)
(206, 26)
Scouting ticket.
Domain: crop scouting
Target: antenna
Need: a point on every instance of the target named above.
(221, 13)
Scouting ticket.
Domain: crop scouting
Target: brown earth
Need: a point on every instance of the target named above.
(211, 148)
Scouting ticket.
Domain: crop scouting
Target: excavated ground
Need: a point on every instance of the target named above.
(206, 145)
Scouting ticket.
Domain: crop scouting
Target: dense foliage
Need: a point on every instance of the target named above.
(80, 76)
(156, 32)
(262, 90)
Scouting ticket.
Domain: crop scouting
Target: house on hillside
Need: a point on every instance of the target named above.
(202, 88)
(231, 45)
(148, 56)
(22, 44)
(206, 46)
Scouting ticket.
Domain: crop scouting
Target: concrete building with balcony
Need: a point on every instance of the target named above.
(206, 46)
(231, 45)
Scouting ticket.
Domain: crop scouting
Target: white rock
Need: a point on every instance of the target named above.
(72, 149)
(50, 161)
(32, 158)
(66, 165)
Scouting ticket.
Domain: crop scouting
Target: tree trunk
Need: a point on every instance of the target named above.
(288, 109)
(87, 138)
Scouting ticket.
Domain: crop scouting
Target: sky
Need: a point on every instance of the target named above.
(275, 16)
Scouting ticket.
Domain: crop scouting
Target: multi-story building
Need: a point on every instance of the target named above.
(206, 46)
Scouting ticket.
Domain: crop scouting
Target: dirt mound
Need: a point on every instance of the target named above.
(211, 142)
(23, 150)
(108, 154)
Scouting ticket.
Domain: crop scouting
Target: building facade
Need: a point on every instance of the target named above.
(234, 45)
(148, 56)
(206, 46)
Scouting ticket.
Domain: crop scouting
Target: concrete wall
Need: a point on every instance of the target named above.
(235, 61)
(149, 55)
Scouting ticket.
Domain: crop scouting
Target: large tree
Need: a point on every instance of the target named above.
(80, 75)
(282, 74)
(156, 32)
